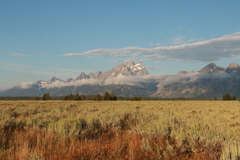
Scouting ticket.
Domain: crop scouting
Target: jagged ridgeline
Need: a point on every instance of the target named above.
(131, 79)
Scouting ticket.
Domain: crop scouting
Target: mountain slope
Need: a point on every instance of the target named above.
(128, 68)
(130, 79)
(204, 88)
(212, 68)
(233, 69)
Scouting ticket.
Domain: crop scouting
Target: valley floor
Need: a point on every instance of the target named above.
(126, 130)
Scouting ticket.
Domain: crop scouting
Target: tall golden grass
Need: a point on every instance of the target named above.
(123, 130)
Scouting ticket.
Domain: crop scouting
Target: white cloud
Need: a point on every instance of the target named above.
(132, 80)
(26, 85)
(226, 46)
(157, 44)
(59, 84)
(19, 55)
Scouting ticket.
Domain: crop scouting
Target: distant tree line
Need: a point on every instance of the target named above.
(98, 97)
(107, 97)
(228, 97)
(136, 99)
(76, 97)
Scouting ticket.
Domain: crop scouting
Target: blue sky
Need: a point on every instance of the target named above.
(41, 39)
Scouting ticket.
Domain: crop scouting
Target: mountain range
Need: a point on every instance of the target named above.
(132, 79)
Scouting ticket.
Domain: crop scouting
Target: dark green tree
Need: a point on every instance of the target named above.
(136, 98)
(46, 96)
(77, 97)
(227, 97)
(66, 97)
(113, 97)
(97, 97)
(71, 97)
(233, 98)
(107, 96)
(84, 97)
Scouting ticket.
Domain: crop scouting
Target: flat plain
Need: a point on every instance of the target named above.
(122, 130)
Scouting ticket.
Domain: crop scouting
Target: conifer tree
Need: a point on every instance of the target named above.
(107, 96)
(84, 97)
(46, 96)
(97, 97)
(113, 97)
(77, 97)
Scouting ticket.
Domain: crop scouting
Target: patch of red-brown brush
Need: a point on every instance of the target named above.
(21, 143)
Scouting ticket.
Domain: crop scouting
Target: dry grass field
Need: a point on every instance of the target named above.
(121, 130)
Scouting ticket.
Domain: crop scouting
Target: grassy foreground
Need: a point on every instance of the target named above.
(122, 130)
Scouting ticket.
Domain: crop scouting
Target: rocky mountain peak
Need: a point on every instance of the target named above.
(54, 79)
(233, 65)
(193, 71)
(69, 80)
(129, 63)
(233, 69)
(183, 72)
(212, 64)
(82, 76)
(212, 68)
(95, 74)
(128, 68)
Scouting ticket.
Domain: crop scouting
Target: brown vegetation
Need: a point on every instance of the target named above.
(116, 130)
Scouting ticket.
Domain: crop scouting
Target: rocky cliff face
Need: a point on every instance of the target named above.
(212, 68)
(95, 75)
(233, 69)
(82, 76)
(128, 68)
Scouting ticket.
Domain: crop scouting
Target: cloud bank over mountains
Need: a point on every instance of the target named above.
(130, 79)
(227, 46)
(138, 81)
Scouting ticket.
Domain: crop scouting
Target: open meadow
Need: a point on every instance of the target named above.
(122, 130)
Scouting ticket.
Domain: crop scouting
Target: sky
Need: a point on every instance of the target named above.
(42, 39)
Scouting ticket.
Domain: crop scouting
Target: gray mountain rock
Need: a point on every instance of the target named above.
(202, 88)
(128, 68)
(212, 68)
(183, 72)
(95, 75)
(233, 69)
(193, 71)
(54, 79)
(82, 76)
(69, 80)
